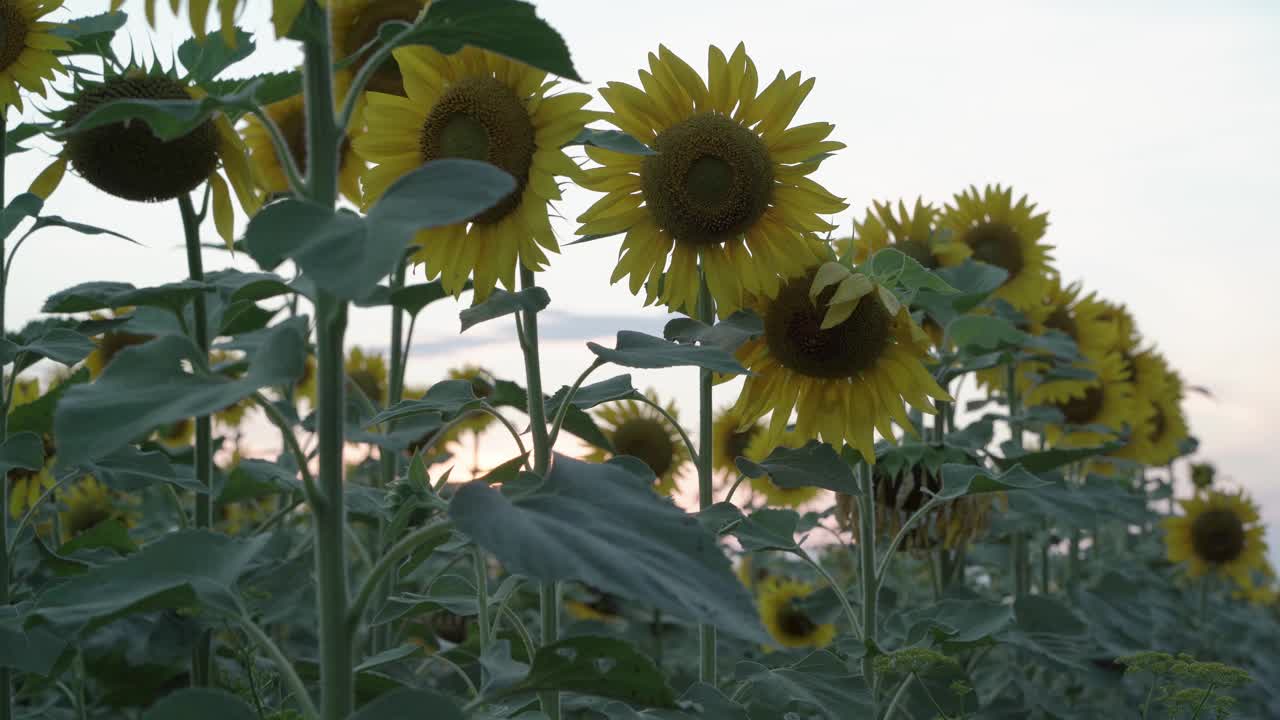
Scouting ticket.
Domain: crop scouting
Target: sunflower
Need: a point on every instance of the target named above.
(482, 385)
(108, 345)
(899, 495)
(1004, 234)
(26, 55)
(758, 449)
(1161, 425)
(284, 12)
(597, 605)
(913, 232)
(842, 378)
(727, 187)
(731, 435)
(177, 435)
(305, 387)
(354, 24)
(1089, 324)
(237, 517)
(1218, 532)
(1098, 415)
(290, 117)
(785, 621)
(1126, 338)
(27, 486)
(369, 373)
(639, 430)
(24, 391)
(88, 503)
(126, 160)
(478, 105)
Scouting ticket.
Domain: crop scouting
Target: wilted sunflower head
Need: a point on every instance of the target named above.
(901, 493)
(368, 372)
(27, 44)
(1218, 532)
(640, 431)
(786, 620)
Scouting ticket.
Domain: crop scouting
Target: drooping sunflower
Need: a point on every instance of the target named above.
(290, 117)
(639, 430)
(476, 105)
(89, 502)
(27, 486)
(1086, 320)
(354, 24)
(368, 371)
(899, 495)
(177, 434)
(126, 160)
(1005, 234)
(786, 622)
(108, 345)
(774, 496)
(840, 351)
(305, 387)
(727, 187)
(912, 231)
(731, 435)
(237, 517)
(26, 53)
(284, 12)
(1218, 532)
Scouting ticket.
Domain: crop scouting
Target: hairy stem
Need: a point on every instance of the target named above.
(6, 680)
(871, 579)
(707, 314)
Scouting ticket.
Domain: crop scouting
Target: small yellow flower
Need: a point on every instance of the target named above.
(27, 45)
(1220, 533)
(787, 623)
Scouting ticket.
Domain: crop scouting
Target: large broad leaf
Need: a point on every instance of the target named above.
(892, 267)
(614, 140)
(1046, 460)
(576, 421)
(37, 415)
(205, 59)
(589, 396)
(408, 704)
(60, 345)
(768, 529)
(90, 34)
(977, 334)
(601, 666)
(601, 525)
(21, 450)
(638, 350)
(728, 334)
(507, 27)
(20, 207)
(820, 682)
(148, 386)
(238, 285)
(1051, 629)
(815, 465)
(171, 119)
(129, 469)
(34, 650)
(959, 480)
(445, 398)
(974, 281)
(201, 704)
(90, 296)
(502, 303)
(185, 569)
(346, 254)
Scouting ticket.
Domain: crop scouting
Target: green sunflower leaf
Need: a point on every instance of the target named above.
(160, 575)
(35, 650)
(45, 221)
(201, 704)
(149, 386)
(63, 346)
(589, 396)
(614, 140)
(103, 295)
(25, 131)
(37, 416)
(973, 281)
(768, 529)
(205, 59)
(21, 451)
(893, 268)
(980, 334)
(816, 464)
(502, 303)
(960, 480)
(820, 681)
(507, 27)
(410, 703)
(728, 334)
(413, 298)
(602, 525)
(91, 34)
(20, 208)
(252, 286)
(576, 421)
(600, 666)
(346, 254)
(130, 469)
(446, 398)
(638, 350)
(1046, 460)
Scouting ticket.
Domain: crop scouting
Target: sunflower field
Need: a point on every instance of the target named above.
(926, 475)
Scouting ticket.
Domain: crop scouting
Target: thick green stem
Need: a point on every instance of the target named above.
(202, 658)
(1020, 559)
(323, 136)
(549, 593)
(389, 560)
(482, 598)
(706, 631)
(389, 461)
(6, 680)
(871, 579)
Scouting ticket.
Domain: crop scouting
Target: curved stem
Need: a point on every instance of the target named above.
(390, 559)
(518, 625)
(729, 498)
(278, 419)
(883, 566)
(482, 597)
(563, 410)
(850, 614)
(284, 154)
(366, 71)
(897, 698)
(688, 443)
(285, 667)
(706, 438)
(202, 660)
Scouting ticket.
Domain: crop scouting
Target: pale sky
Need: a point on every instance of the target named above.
(1148, 130)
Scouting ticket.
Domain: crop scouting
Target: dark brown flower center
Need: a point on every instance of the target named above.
(125, 159)
(738, 442)
(996, 244)
(710, 180)
(13, 33)
(648, 440)
(1084, 409)
(364, 29)
(480, 118)
(794, 623)
(793, 331)
(1218, 536)
(1159, 422)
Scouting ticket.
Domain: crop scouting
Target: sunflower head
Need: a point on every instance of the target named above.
(368, 372)
(87, 503)
(637, 429)
(1218, 532)
(732, 435)
(26, 487)
(27, 44)
(785, 618)
(355, 23)
(843, 353)
(477, 105)
(1160, 426)
(900, 494)
(176, 434)
(1004, 233)
(596, 605)
(726, 188)
(108, 345)
(911, 231)
(1104, 409)
(238, 517)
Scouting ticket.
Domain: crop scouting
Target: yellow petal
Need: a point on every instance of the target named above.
(49, 178)
(223, 214)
